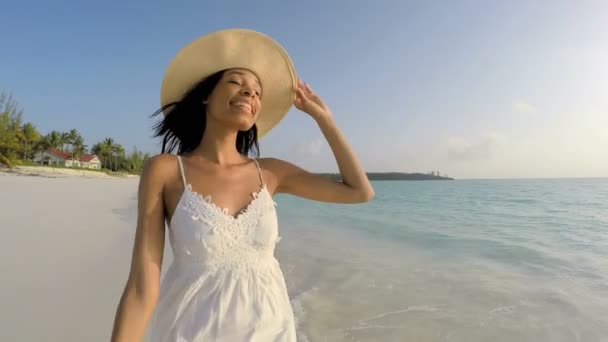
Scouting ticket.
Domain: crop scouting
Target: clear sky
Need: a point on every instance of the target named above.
(473, 89)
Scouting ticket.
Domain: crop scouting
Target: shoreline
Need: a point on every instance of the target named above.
(56, 172)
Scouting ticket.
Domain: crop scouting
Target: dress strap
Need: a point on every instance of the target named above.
(259, 171)
(181, 169)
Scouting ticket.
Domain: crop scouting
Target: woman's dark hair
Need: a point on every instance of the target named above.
(185, 121)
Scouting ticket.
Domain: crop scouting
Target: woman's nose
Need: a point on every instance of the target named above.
(248, 91)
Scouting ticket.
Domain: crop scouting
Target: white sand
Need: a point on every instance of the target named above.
(65, 250)
(55, 172)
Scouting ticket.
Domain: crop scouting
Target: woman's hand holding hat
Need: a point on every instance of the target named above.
(307, 101)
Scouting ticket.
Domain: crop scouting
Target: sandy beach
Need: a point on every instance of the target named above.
(65, 252)
(56, 172)
(64, 255)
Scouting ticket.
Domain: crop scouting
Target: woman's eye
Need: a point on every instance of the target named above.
(257, 92)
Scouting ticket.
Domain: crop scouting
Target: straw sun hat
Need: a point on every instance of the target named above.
(236, 48)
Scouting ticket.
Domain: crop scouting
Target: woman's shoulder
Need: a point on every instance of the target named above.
(161, 161)
(162, 165)
(271, 163)
(277, 166)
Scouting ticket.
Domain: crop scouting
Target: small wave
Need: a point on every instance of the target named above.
(423, 308)
(300, 312)
(502, 309)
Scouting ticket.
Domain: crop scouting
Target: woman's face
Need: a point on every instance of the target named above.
(235, 100)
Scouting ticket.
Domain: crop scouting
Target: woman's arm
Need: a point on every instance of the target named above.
(355, 187)
(142, 287)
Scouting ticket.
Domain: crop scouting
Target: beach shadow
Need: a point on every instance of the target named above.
(127, 213)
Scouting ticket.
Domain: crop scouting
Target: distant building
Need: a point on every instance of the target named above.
(56, 157)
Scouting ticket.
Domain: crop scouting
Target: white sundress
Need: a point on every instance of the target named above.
(224, 283)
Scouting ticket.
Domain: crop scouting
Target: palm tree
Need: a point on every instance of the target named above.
(110, 147)
(30, 136)
(77, 143)
(105, 151)
(118, 153)
(65, 140)
(78, 148)
(53, 140)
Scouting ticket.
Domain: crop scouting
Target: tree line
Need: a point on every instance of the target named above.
(21, 141)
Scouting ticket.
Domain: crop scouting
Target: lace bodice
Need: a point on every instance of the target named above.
(204, 235)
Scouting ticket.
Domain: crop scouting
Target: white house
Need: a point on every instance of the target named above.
(56, 157)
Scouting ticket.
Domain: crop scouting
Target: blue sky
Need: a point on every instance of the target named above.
(473, 89)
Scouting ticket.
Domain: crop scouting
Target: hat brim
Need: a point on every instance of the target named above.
(236, 48)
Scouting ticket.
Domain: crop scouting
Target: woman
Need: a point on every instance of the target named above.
(219, 95)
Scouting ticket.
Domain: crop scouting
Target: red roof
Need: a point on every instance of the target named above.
(87, 157)
(67, 156)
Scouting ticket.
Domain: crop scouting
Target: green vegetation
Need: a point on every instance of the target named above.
(19, 142)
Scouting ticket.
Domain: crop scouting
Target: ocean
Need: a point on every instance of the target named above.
(464, 260)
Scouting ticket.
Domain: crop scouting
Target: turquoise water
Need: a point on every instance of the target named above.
(467, 260)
